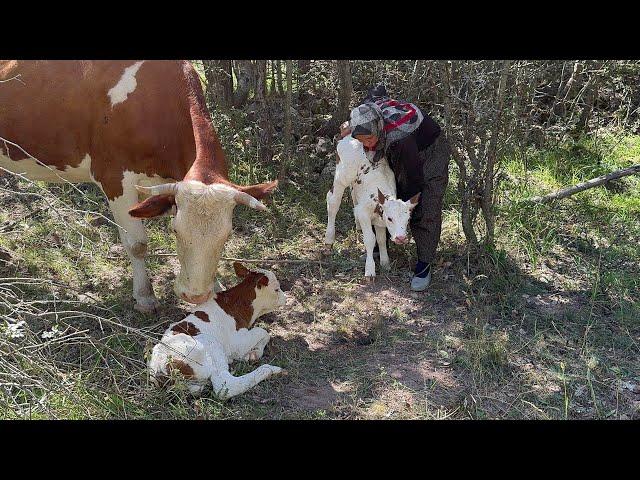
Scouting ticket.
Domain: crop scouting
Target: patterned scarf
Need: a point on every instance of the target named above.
(387, 119)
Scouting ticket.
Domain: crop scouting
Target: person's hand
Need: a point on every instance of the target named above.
(344, 130)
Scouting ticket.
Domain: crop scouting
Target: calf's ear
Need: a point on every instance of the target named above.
(263, 281)
(153, 206)
(381, 197)
(413, 201)
(241, 270)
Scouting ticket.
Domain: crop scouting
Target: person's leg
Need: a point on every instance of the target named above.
(426, 221)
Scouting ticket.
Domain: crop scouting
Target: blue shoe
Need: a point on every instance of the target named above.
(421, 277)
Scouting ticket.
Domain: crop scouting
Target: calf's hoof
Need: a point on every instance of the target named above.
(326, 250)
(252, 356)
(146, 305)
(369, 278)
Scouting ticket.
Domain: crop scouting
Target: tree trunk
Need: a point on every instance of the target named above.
(245, 78)
(304, 66)
(278, 78)
(219, 82)
(264, 117)
(487, 203)
(345, 89)
(261, 77)
(287, 123)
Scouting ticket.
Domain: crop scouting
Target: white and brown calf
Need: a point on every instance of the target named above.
(373, 191)
(203, 345)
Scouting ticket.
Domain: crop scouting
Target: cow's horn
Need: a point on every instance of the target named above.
(164, 189)
(248, 200)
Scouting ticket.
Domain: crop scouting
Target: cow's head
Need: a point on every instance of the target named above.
(268, 295)
(202, 223)
(396, 214)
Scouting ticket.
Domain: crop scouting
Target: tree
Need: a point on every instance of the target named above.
(345, 90)
(219, 82)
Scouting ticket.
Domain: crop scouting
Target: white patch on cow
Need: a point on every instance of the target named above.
(126, 85)
(34, 170)
(217, 345)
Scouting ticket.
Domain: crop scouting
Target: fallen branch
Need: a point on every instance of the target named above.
(244, 260)
(594, 182)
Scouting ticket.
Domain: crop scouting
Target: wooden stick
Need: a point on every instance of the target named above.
(244, 260)
(594, 182)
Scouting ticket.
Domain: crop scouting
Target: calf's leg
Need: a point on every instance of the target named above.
(334, 197)
(249, 344)
(381, 238)
(226, 385)
(369, 241)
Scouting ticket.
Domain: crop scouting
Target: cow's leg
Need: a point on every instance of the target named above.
(381, 238)
(134, 239)
(334, 197)
(369, 241)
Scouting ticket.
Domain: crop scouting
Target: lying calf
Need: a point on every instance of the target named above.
(202, 346)
(373, 190)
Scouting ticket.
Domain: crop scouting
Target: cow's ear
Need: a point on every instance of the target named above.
(260, 190)
(153, 206)
(263, 281)
(241, 270)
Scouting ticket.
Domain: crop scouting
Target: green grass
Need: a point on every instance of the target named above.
(546, 325)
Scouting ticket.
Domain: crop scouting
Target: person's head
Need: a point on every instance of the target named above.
(367, 125)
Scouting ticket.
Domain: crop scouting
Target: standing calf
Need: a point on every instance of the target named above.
(202, 346)
(373, 190)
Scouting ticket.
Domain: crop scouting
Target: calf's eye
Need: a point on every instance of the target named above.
(389, 218)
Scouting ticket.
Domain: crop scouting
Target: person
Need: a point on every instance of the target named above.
(418, 153)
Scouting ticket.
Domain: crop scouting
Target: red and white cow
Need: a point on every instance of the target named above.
(129, 126)
(203, 345)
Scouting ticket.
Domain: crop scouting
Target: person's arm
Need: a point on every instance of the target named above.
(409, 158)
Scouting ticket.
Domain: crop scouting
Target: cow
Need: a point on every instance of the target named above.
(373, 191)
(130, 127)
(201, 347)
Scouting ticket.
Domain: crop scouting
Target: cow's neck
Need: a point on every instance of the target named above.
(210, 165)
(238, 302)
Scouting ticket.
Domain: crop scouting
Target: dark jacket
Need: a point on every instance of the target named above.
(406, 161)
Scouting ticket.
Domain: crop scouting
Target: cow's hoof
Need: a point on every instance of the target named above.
(385, 266)
(369, 278)
(147, 305)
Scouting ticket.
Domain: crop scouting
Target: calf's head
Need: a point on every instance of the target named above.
(202, 223)
(265, 286)
(396, 215)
